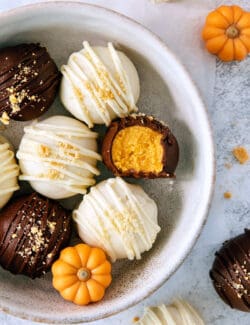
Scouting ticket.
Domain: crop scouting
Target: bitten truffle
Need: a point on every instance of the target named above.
(231, 272)
(140, 146)
(29, 80)
(33, 230)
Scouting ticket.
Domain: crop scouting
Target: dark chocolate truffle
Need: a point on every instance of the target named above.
(231, 272)
(29, 80)
(140, 146)
(33, 230)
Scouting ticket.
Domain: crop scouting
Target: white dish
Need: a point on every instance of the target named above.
(169, 94)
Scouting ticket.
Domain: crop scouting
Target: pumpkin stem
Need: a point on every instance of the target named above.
(83, 274)
(232, 31)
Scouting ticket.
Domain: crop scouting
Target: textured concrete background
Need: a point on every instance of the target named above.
(230, 114)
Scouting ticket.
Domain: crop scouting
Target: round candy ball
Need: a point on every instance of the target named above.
(9, 172)
(33, 230)
(231, 272)
(99, 84)
(28, 83)
(118, 217)
(58, 157)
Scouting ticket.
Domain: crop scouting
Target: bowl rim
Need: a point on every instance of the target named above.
(164, 47)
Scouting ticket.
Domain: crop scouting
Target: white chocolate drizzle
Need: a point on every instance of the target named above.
(103, 88)
(8, 170)
(125, 216)
(178, 313)
(53, 147)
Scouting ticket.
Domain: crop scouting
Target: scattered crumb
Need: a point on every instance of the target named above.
(136, 319)
(227, 195)
(5, 119)
(54, 174)
(228, 165)
(241, 154)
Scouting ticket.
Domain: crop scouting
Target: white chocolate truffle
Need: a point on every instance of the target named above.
(178, 313)
(159, 1)
(9, 172)
(99, 84)
(118, 217)
(58, 157)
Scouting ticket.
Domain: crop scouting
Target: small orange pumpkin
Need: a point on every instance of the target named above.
(227, 33)
(81, 274)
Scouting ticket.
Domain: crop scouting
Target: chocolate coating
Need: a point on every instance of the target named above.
(29, 80)
(231, 272)
(33, 230)
(169, 143)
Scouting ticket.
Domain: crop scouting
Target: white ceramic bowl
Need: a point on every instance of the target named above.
(166, 92)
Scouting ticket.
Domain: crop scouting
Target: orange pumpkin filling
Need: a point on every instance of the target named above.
(138, 148)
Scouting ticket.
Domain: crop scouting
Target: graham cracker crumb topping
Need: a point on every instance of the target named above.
(5, 119)
(44, 151)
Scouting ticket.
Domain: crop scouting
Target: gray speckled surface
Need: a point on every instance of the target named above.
(230, 113)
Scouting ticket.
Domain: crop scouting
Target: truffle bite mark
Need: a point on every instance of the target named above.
(140, 146)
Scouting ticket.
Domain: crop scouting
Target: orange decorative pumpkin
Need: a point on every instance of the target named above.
(227, 33)
(81, 274)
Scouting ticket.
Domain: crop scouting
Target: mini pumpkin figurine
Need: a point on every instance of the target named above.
(81, 274)
(227, 33)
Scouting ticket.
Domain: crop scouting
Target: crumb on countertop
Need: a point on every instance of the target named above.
(241, 154)
(136, 319)
(227, 195)
(228, 165)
